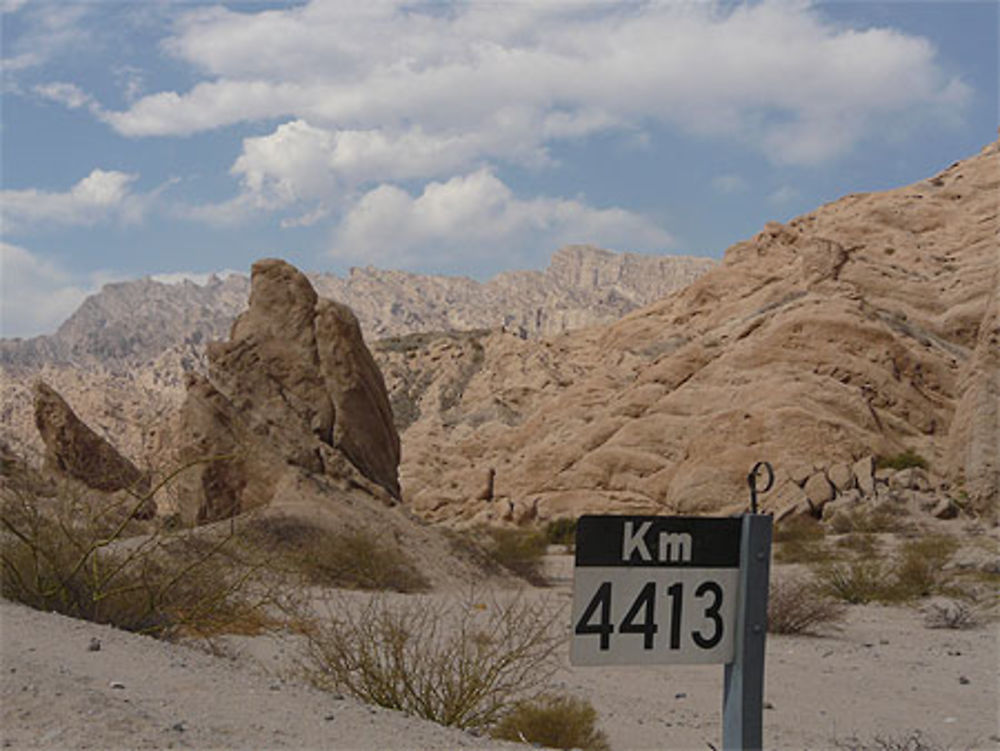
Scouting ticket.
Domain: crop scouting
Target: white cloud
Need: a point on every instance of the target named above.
(774, 74)
(476, 217)
(68, 94)
(37, 294)
(101, 196)
(730, 184)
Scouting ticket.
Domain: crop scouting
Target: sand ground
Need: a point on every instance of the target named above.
(884, 674)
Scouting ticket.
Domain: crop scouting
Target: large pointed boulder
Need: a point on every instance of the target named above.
(72, 448)
(294, 385)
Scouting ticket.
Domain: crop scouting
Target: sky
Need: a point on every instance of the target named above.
(176, 139)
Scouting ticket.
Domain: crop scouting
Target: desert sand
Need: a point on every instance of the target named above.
(882, 675)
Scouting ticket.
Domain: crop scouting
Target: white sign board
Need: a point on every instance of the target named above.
(653, 590)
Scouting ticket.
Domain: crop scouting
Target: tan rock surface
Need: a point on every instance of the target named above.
(848, 332)
(76, 450)
(293, 386)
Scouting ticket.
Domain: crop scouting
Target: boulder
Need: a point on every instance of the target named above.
(295, 386)
(912, 478)
(864, 473)
(818, 491)
(841, 476)
(800, 473)
(946, 508)
(72, 448)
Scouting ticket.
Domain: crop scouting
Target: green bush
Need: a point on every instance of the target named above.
(904, 460)
(799, 529)
(919, 567)
(553, 721)
(460, 664)
(862, 520)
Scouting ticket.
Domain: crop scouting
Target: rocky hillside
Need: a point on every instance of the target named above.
(134, 323)
(867, 327)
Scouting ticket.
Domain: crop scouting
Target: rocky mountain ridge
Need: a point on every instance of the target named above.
(135, 322)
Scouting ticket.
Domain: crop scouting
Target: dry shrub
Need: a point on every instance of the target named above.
(553, 721)
(953, 614)
(920, 565)
(520, 551)
(78, 553)
(800, 606)
(347, 558)
(562, 532)
(860, 543)
(460, 664)
(916, 571)
(861, 520)
(800, 540)
(913, 741)
(858, 581)
(904, 460)
(799, 529)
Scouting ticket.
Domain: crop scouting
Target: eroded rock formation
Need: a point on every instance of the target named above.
(294, 385)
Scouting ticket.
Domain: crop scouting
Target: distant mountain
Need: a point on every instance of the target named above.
(131, 323)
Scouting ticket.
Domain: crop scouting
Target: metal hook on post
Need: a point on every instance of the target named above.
(752, 482)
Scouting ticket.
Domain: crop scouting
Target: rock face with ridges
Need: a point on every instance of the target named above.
(294, 385)
(863, 328)
(73, 449)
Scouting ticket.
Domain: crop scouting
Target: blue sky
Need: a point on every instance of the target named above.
(164, 138)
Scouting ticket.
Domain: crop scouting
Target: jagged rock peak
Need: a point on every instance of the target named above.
(294, 385)
(72, 448)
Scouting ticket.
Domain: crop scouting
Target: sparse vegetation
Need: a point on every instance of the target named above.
(953, 614)
(861, 520)
(561, 532)
(864, 544)
(521, 551)
(914, 741)
(83, 555)
(858, 581)
(461, 663)
(348, 558)
(800, 540)
(553, 721)
(904, 460)
(916, 571)
(799, 606)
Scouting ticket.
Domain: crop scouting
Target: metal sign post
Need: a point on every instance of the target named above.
(653, 590)
(743, 689)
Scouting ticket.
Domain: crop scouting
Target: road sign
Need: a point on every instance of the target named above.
(653, 590)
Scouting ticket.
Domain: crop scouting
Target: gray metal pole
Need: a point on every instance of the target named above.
(743, 692)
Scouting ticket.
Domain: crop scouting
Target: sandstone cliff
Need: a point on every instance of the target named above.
(865, 327)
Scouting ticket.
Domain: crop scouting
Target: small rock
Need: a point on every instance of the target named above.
(841, 476)
(95, 644)
(680, 695)
(819, 491)
(911, 478)
(963, 680)
(768, 705)
(946, 508)
(864, 472)
(329, 718)
(179, 727)
(117, 684)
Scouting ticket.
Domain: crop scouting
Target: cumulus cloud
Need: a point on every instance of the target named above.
(775, 74)
(37, 294)
(101, 196)
(68, 94)
(477, 216)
